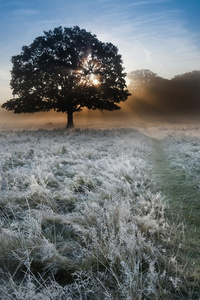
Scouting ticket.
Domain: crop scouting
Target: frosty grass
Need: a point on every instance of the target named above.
(81, 217)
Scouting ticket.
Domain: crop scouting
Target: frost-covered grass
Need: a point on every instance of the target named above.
(176, 166)
(81, 218)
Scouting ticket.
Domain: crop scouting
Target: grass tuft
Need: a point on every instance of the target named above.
(83, 217)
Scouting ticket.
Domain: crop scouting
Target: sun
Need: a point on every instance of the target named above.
(94, 80)
(88, 72)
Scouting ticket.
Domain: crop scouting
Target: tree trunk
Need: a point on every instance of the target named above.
(70, 123)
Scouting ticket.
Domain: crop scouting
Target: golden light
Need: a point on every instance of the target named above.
(94, 80)
(88, 72)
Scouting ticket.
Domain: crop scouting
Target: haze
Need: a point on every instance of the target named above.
(159, 35)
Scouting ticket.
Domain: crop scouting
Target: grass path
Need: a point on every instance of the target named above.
(184, 201)
(81, 217)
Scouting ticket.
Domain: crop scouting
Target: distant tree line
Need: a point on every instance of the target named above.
(154, 94)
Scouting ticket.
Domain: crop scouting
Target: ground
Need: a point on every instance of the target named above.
(98, 213)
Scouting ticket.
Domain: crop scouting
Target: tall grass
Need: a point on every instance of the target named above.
(80, 219)
(177, 172)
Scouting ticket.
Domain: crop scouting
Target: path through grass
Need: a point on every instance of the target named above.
(81, 218)
(182, 191)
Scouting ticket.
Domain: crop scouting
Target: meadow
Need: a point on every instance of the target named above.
(100, 213)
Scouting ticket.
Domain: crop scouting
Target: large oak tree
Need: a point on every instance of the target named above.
(67, 69)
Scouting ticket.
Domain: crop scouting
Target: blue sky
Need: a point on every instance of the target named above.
(160, 35)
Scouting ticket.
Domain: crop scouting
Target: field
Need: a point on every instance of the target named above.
(98, 213)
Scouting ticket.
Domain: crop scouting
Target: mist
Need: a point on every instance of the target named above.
(53, 120)
(160, 98)
(153, 98)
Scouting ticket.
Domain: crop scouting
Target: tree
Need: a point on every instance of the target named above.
(140, 79)
(65, 70)
(192, 78)
(188, 85)
(179, 96)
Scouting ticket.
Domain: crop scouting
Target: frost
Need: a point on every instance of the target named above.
(80, 218)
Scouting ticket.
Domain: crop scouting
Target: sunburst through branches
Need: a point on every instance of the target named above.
(89, 72)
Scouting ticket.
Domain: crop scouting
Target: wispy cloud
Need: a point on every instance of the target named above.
(26, 12)
(148, 2)
(151, 34)
(156, 40)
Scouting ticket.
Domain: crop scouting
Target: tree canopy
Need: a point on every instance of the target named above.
(140, 79)
(191, 78)
(67, 69)
(154, 94)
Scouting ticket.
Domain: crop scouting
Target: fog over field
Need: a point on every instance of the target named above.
(52, 120)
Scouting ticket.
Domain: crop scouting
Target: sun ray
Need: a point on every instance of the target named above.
(88, 72)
